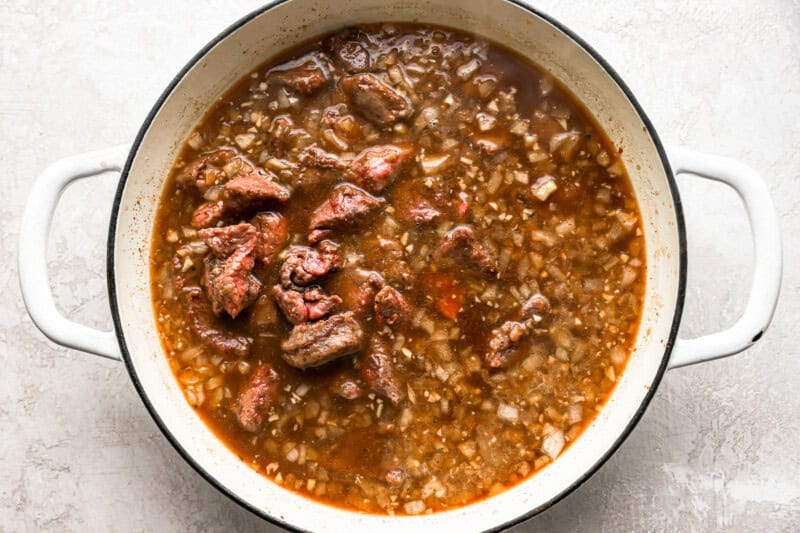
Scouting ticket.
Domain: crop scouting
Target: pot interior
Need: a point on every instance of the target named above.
(277, 29)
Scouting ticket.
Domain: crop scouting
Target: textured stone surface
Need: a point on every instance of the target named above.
(717, 450)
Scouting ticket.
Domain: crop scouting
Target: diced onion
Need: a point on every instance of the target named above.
(553, 443)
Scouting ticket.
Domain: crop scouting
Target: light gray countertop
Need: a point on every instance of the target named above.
(718, 447)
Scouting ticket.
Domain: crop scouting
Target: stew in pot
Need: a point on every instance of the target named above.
(398, 270)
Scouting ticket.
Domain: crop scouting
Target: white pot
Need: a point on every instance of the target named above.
(277, 28)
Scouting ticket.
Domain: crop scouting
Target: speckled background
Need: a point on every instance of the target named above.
(718, 448)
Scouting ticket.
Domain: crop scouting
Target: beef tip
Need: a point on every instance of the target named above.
(256, 398)
(231, 286)
(378, 371)
(357, 287)
(263, 313)
(303, 265)
(315, 157)
(346, 207)
(316, 343)
(376, 167)
(206, 171)
(503, 343)
(392, 261)
(303, 304)
(253, 190)
(391, 307)
(462, 204)
(460, 245)
(280, 129)
(536, 306)
(411, 206)
(347, 387)
(207, 214)
(305, 75)
(348, 52)
(204, 325)
(374, 100)
(272, 230)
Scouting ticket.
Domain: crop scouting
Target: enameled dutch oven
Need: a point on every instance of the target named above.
(278, 27)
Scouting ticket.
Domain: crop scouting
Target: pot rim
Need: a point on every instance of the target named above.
(673, 332)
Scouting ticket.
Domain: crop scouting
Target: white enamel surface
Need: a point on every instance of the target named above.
(279, 29)
(768, 264)
(35, 228)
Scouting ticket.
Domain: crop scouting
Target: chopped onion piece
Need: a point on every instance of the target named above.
(544, 187)
(553, 443)
(195, 141)
(507, 412)
(434, 163)
(245, 140)
(485, 121)
(414, 507)
(466, 70)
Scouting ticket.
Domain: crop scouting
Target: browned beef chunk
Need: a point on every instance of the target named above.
(378, 371)
(263, 313)
(207, 215)
(357, 287)
(503, 343)
(316, 157)
(256, 397)
(374, 100)
(272, 230)
(305, 75)
(303, 265)
(303, 304)
(347, 387)
(391, 307)
(461, 245)
(348, 51)
(347, 207)
(229, 282)
(253, 190)
(279, 130)
(205, 326)
(376, 167)
(316, 343)
(411, 206)
(392, 261)
(206, 170)
(536, 305)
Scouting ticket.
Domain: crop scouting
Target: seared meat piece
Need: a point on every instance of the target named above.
(536, 305)
(206, 170)
(357, 288)
(461, 245)
(303, 304)
(204, 325)
(393, 261)
(228, 279)
(378, 371)
(346, 207)
(316, 157)
(410, 204)
(253, 190)
(303, 265)
(376, 167)
(316, 343)
(256, 397)
(207, 215)
(391, 307)
(348, 52)
(347, 387)
(375, 100)
(272, 231)
(263, 313)
(503, 343)
(280, 128)
(305, 75)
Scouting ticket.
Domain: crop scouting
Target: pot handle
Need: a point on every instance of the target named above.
(768, 263)
(34, 232)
